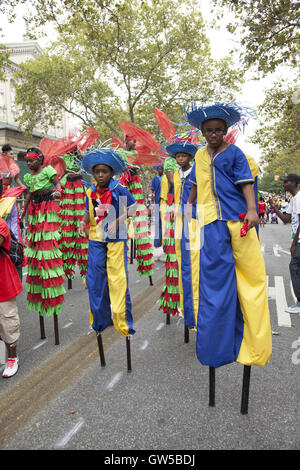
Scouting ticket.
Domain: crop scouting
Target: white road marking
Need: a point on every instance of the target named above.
(68, 436)
(275, 249)
(68, 324)
(144, 345)
(277, 293)
(159, 327)
(114, 381)
(39, 345)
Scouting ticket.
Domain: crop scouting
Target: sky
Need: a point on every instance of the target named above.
(252, 93)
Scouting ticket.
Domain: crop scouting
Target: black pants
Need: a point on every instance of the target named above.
(295, 271)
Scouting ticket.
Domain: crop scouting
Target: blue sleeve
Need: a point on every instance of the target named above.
(241, 168)
(193, 175)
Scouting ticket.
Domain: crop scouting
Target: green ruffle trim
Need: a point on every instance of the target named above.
(145, 273)
(38, 236)
(38, 307)
(39, 255)
(77, 189)
(46, 292)
(49, 217)
(45, 273)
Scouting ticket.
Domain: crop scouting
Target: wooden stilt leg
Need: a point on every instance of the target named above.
(69, 283)
(131, 251)
(42, 327)
(101, 351)
(150, 280)
(56, 328)
(212, 385)
(245, 390)
(186, 334)
(128, 354)
(167, 319)
(134, 249)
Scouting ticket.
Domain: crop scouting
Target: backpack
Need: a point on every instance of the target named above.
(16, 252)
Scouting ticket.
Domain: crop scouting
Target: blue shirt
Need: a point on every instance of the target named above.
(218, 182)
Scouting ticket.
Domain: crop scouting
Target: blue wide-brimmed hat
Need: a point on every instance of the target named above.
(231, 113)
(105, 157)
(181, 147)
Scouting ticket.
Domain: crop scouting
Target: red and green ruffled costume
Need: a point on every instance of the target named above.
(170, 296)
(72, 203)
(44, 283)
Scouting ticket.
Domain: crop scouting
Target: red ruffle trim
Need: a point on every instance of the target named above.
(45, 283)
(46, 302)
(45, 263)
(74, 184)
(44, 207)
(43, 227)
(43, 245)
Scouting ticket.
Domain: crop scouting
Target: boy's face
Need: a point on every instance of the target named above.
(160, 170)
(183, 160)
(214, 131)
(102, 174)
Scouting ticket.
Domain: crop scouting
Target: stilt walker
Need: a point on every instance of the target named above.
(44, 283)
(108, 205)
(170, 297)
(187, 236)
(233, 316)
(73, 247)
(142, 240)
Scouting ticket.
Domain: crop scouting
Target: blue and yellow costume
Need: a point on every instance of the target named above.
(187, 238)
(233, 317)
(107, 275)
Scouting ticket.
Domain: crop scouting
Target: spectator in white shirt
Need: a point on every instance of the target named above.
(290, 184)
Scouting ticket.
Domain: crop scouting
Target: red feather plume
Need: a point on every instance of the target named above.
(165, 125)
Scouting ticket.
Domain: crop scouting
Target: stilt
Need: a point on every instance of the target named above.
(101, 351)
(42, 327)
(134, 249)
(168, 319)
(186, 334)
(245, 390)
(69, 283)
(128, 354)
(56, 328)
(131, 251)
(212, 386)
(150, 280)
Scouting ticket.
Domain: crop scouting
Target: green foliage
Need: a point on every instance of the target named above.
(268, 31)
(4, 61)
(116, 60)
(279, 129)
(267, 183)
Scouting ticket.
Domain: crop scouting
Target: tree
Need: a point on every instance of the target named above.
(267, 183)
(4, 61)
(267, 30)
(115, 60)
(279, 129)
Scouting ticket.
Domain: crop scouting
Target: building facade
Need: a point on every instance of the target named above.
(10, 133)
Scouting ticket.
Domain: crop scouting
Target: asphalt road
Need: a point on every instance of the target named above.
(63, 399)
